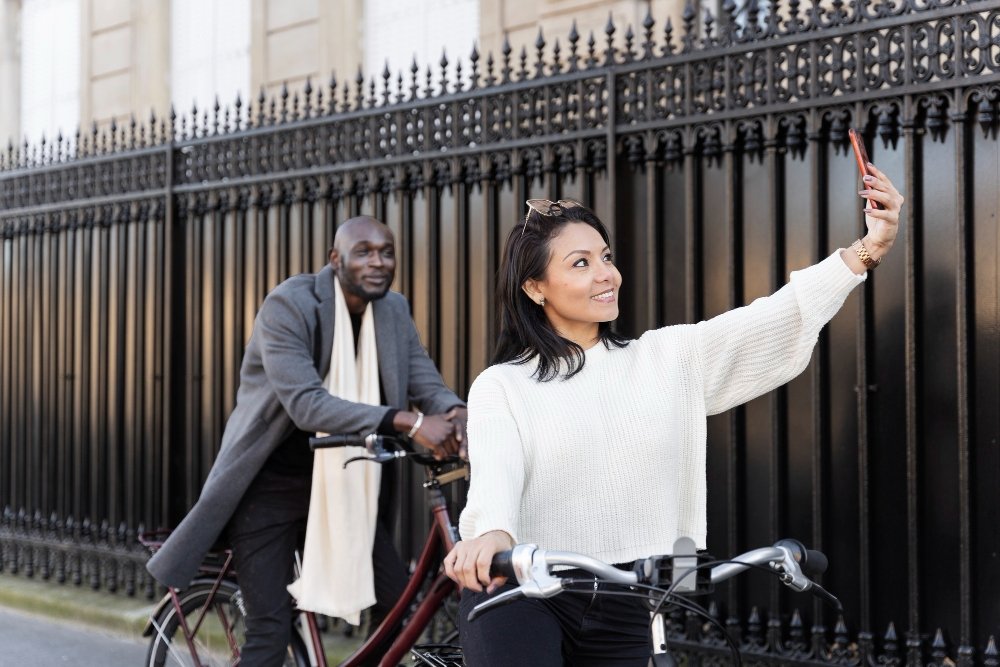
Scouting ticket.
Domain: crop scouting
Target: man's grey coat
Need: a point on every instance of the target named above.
(281, 389)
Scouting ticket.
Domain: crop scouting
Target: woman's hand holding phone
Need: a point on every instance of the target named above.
(858, 144)
(882, 212)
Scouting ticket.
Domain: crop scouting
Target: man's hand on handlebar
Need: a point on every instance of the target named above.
(436, 433)
(460, 418)
(469, 562)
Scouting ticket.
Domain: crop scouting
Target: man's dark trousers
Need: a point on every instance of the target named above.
(265, 530)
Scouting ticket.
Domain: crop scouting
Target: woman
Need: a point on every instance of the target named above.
(576, 432)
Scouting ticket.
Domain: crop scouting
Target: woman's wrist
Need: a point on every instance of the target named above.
(875, 249)
(505, 538)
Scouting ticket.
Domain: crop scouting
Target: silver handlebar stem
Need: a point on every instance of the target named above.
(780, 558)
(531, 568)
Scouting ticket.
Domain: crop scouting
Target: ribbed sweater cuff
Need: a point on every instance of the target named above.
(815, 285)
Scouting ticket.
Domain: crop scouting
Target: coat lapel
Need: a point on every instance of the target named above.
(325, 306)
(388, 355)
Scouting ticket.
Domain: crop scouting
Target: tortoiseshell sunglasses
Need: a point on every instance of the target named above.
(546, 207)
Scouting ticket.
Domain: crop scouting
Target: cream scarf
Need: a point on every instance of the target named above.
(337, 577)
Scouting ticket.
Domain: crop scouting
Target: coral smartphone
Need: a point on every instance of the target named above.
(858, 144)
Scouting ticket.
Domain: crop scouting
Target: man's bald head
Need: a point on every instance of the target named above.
(352, 228)
(364, 258)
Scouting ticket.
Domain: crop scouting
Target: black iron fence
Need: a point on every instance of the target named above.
(132, 263)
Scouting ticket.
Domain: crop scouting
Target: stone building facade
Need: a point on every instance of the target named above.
(131, 53)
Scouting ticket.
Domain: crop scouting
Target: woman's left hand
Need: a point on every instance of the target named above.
(883, 224)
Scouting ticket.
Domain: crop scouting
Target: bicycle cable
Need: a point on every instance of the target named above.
(676, 600)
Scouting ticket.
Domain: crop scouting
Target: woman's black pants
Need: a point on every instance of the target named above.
(572, 628)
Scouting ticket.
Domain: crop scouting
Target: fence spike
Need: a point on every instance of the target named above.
(668, 37)
(574, 38)
(359, 89)
(991, 657)
(474, 74)
(506, 51)
(490, 79)
(414, 75)
(556, 63)
(333, 94)
(609, 31)
(687, 18)
(939, 648)
(238, 113)
(540, 54)
(591, 51)
(444, 72)
(194, 119)
(648, 23)
(386, 76)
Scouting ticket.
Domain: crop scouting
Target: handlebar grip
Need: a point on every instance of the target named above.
(337, 440)
(815, 562)
(502, 565)
(811, 561)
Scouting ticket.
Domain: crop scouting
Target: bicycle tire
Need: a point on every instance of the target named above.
(224, 625)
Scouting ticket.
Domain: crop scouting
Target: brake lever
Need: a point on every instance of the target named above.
(826, 596)
(792, 576)
(382, 457)
(504, 598)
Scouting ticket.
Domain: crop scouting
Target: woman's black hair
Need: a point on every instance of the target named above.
(525, 331)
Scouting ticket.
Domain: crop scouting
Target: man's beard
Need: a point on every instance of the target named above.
(360, 292)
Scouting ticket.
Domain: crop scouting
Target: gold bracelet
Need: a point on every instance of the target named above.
(863, 254)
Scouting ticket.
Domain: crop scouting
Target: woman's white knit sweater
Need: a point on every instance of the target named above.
(611, 462)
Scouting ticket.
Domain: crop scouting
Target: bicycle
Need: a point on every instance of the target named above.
(661, 581)
(210, 614)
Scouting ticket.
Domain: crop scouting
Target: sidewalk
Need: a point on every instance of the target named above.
(116, 613)
(112, 612)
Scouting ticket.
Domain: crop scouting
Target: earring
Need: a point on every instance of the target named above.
(541, 302)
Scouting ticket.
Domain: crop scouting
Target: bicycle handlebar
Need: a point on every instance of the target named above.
(377, 451)
(532, 568)
(340, 440)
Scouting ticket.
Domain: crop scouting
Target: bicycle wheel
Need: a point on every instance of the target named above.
(219, 630)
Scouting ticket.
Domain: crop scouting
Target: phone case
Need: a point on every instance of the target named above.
(858, 144)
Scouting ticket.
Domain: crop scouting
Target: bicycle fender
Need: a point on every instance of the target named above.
(165, 602)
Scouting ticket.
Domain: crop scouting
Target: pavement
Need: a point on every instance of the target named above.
(117, 613)
(114, 614)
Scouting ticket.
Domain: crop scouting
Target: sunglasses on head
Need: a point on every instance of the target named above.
(547, 208)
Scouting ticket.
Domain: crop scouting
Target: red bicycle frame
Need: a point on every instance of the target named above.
(441, 534)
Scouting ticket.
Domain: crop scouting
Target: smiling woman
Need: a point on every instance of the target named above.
(581, 283)
(558, 288)
(577, 434)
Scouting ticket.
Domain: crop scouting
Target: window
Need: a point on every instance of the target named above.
(50, 69)
(397, 31)
(209, 53)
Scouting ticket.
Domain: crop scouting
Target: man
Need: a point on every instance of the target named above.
(258, 491)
